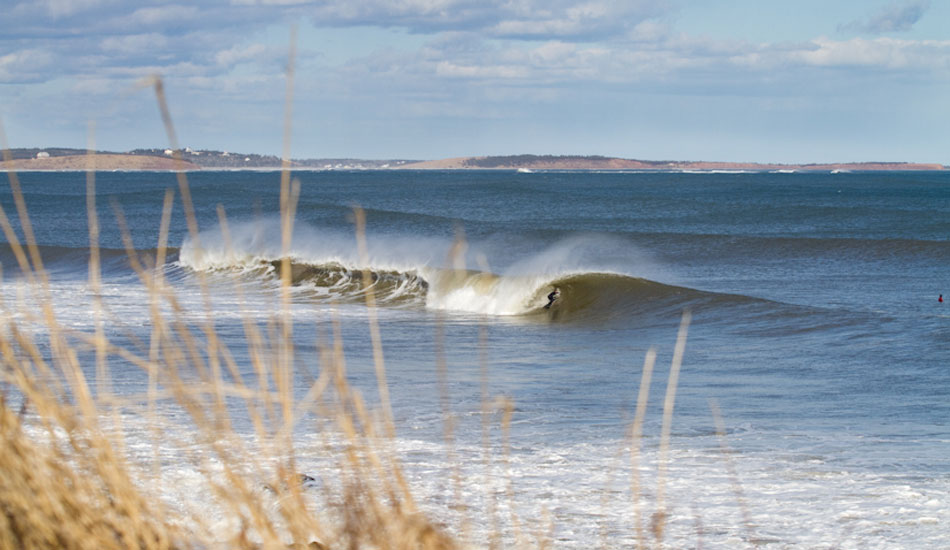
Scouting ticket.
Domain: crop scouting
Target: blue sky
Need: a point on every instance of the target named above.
(737, 80)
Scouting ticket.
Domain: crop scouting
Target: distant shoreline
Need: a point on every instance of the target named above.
(72, 160)
(529, 163)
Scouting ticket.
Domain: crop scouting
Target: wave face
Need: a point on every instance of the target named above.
(605, 296)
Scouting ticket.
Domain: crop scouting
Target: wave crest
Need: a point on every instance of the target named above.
(584, 295)
(401, 272)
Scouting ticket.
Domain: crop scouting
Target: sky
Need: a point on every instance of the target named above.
(720, 80)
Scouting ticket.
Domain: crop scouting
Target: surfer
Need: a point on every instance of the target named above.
(552, 297)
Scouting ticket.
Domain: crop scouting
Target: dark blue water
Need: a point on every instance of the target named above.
(815, 321)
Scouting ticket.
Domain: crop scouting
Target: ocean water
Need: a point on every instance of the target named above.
(815, 329)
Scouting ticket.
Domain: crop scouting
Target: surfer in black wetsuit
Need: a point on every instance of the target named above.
(552, 297)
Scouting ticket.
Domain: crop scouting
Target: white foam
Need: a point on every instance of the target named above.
(251, 243)
(579, 492)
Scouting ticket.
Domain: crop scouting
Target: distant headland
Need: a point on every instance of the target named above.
(65, 159)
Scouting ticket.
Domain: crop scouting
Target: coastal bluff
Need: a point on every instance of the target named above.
(104, 162)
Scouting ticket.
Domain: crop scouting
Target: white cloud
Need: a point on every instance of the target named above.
(879, 53)
(92, 86)
(63, 8)
(24, 65)
(271, 2)
(554, 52)
(587, 20)
(649, 31)
(535, 19)
(479, 68)
(159, 15)
(134, 43)
(456, 70)
(240, 54)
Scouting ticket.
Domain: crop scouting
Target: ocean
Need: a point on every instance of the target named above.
(815, 337)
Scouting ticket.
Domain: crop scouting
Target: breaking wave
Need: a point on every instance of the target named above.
(407, 271)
